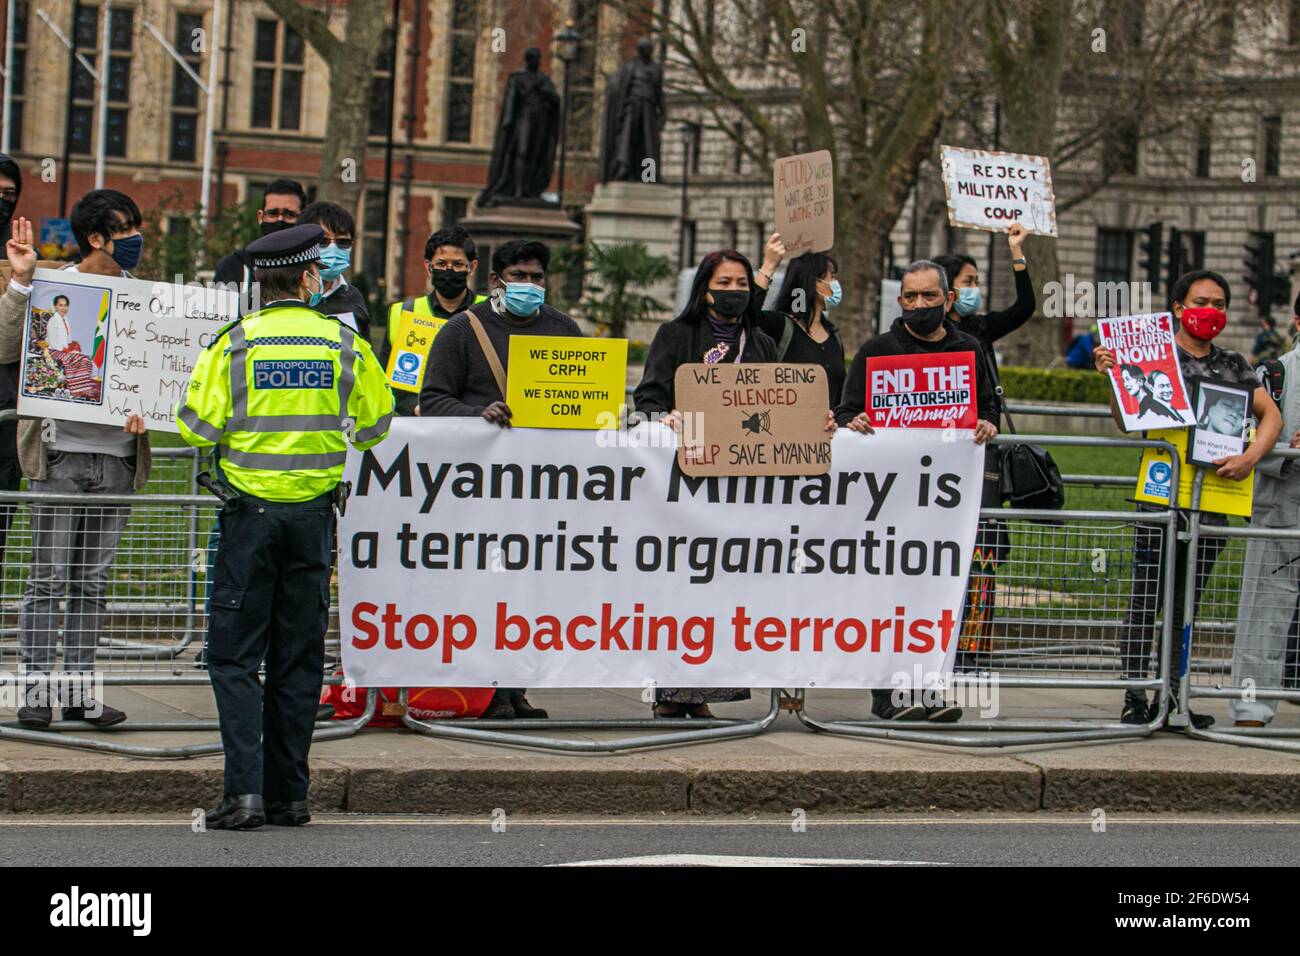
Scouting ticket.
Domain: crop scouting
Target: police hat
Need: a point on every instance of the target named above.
(297, 245)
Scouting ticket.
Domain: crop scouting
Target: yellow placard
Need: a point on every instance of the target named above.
(1219, 495)
(559, 381)
(409, 354)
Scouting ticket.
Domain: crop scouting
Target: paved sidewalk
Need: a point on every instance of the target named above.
(788, 767)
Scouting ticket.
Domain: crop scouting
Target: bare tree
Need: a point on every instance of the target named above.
(351, 62)
(865, 79)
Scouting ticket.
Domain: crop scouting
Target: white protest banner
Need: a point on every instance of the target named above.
(1146, 377)
(98, 348)
(992, 191)
(472, 556)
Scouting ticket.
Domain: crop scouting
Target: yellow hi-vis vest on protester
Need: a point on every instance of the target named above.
(281, 392)
(412, 326)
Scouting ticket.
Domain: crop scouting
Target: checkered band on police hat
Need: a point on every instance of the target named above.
(297, 245)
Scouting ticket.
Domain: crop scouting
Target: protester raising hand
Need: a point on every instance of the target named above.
(21, 251)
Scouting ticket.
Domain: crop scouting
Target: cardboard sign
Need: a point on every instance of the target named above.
(752, 420)
(409, 355)
(803, 190)
(993, 191)
(1218, 495)
(561, 381)
(1147, 379)
(922, 391)
(98, 348)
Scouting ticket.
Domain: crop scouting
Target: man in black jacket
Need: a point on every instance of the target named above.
(282, 202)
(466, 374)
(922, 328)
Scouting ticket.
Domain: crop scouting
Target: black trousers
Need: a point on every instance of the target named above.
(270, 603)
(10, 475)
(1147, 597)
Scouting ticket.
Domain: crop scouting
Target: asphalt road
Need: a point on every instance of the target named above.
(1070, 840)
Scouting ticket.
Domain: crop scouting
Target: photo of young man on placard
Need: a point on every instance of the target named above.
(1222, 416)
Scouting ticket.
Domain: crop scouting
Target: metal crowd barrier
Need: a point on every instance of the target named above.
(1059, 599)
(148, 605)
(1055, 597)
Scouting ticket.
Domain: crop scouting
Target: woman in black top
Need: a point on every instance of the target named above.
(800, 319)
(719, 324)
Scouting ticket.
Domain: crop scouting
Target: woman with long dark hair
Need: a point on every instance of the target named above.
(800, 324)
(720, 324)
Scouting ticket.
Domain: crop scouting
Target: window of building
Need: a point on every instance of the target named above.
(381, 87)
(686, 244)
(1293, 23)
(18, 79)
(582, 79)
(460, 71)
(278, 65)
(1114, 261)
(1272, 145)
(1203, 150)
(738, 154)
(1119, 155)
(1224, 30)
(121, 29)
(183, 147)
(372, 234)
(454, 209)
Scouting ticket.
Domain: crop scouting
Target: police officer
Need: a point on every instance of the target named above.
(451, 259)
(279, 393)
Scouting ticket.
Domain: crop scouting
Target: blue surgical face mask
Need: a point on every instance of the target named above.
(314, 297)
(334, 261)
(837, 293)
(127, 250)
(968, 301)
(523, 298)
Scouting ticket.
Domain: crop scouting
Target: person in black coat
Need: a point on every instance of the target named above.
(993, 543)
(719, 324)
(922, 328)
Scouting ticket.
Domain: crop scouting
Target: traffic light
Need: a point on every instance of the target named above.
(1281, 289)
(1150, 261)
(1177, 258)
(1260, 271)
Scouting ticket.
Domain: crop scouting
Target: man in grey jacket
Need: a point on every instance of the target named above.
(1271, 574)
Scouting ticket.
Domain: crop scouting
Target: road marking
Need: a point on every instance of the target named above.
(700, 859)
(521, 820)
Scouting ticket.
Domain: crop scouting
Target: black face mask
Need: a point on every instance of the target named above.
(6, 214)
(729, 303)
(269, 227)
(923, 321)
(449, 283)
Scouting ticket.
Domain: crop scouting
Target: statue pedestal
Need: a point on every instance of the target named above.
(496, 225)
(638, 212)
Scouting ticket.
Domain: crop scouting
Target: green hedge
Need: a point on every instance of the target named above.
(1063, 385)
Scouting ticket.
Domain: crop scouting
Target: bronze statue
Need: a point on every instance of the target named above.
(523, 150)
(634, 119)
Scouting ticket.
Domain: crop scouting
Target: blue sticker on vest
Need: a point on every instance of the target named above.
(1158, 480)
(303, 373)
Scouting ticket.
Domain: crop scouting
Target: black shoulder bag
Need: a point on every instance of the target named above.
(1030, 478)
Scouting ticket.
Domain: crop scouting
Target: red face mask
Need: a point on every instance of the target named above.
(1204, 323)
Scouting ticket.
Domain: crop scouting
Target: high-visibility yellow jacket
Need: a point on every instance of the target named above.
(427, 317)
(281, 392)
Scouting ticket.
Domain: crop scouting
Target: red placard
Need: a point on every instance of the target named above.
(922, 391)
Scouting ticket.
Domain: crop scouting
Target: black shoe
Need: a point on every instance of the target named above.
(37, 718)
(287, 814)
(1198, 721)
(324, 712)
(670, 711)
(107, 717)
(943, 714)
(499, 709)
(245, 812)
(884, 708)
(526, 710)
(1135, 709)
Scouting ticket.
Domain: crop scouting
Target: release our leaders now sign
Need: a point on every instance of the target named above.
(922, 391)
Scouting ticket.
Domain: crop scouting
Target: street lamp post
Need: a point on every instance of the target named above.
(566, 48)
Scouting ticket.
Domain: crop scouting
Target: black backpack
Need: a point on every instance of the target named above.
(1272, 375)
